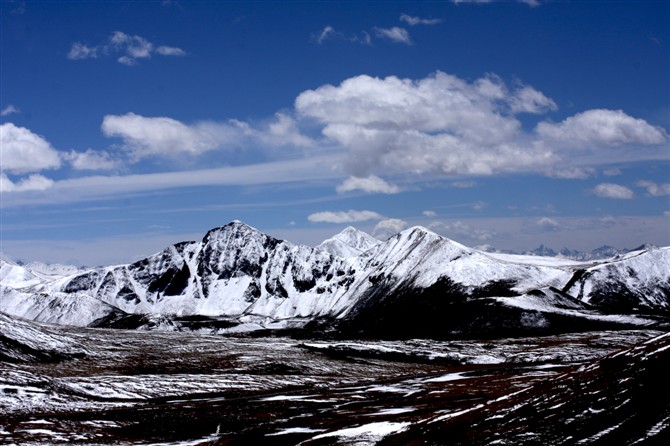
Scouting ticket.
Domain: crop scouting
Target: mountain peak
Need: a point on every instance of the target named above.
(350, 242)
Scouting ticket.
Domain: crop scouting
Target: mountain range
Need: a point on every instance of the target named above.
(414, 284)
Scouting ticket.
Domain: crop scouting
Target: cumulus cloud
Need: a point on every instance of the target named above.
(350, 216)
(615, 191)
(414, 21)
(440, 124)
(394, 34)
(32, 182)
(90, 160)
(602, 127)
(653, 189)
(127, 48)
(371, 184)
(10, 109)
(389, 227)
(23, 151)
(151, 136)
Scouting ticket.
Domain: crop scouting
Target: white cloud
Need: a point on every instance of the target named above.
(413, 21)
(33, 182)
(531, 3)
(90, 160)
(389, 227)
(440, 124)
(653, 189)
(463, 184)
(458, 230)
(612, 172)
(529, 100)
(23, 151)
(350, 216)
(80, 51)
(151, 136)
(548, 224)
(326, 33)
(127, 48)
(615, 191)
(394, 34)
(602, 127)
(429, 213)
(10, 109)
(170, 51)
(296, 170)
(371, 184)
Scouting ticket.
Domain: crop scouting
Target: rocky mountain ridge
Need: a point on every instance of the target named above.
(416, 282)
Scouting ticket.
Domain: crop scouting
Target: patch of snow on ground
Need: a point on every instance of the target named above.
(372, 432)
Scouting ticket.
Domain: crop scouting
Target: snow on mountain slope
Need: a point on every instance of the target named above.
(56, 308)
(237, 272)
(422, 256)
(16, 276)
(52, 270)
(638, 280)
(349, 243)
(22, 340)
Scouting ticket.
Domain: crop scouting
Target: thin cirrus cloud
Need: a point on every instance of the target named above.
(329, 33)
(128, 49)
(350, 216)
(613, 191)
(414, 21)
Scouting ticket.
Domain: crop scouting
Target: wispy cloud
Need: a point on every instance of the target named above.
(389, 227)
(414, 21)
(128, 49)
(394, 34)
(329, 33)
(301, 170)
(350, 216)
(9, 110)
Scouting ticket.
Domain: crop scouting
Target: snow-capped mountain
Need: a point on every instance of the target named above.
(416, 282)
(349, 243)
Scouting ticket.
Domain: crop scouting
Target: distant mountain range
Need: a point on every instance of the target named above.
(414, 284)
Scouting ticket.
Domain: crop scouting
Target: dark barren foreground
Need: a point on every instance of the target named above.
(94, 386)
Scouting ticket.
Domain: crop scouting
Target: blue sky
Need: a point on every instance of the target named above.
(127, 126)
